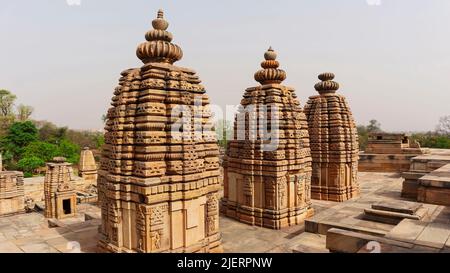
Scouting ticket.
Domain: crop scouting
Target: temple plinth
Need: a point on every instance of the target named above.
(334, 143)
(267, 167)
(159, 176)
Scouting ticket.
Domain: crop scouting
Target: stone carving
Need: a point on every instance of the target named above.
(59, 192)
(12, 195)
(155, 178)
(267, 153)
(334, 143)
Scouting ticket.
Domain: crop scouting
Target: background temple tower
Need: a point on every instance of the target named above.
(159, 175)
(59, 192)
(267, 180)
(334, 143)
(87, 169)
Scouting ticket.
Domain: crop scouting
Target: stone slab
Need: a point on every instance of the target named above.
(434, 235)
(345, 241)
(407, 231)
(398, 206)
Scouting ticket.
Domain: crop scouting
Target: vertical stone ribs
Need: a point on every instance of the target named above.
(334, 143)
(159, 177)
(267, 180)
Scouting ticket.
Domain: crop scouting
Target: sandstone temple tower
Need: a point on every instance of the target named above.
(334, 143)
(159, 176)
(87, 168)
(267, 167)
(59, 192)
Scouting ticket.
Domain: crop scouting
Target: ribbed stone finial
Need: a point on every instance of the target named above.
(270, 73)
(159, 23)
(158, 47)
(327, 85)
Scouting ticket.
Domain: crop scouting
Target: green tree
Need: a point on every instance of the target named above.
(7, 100)
(70, 151)
(42, 150)
(29, 165)
(20, 134)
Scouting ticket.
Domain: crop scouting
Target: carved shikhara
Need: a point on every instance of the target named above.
(59, 192)
(158, 189)
(334, 143)
(269, 187)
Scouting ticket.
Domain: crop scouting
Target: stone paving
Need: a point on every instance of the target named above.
(30, 233)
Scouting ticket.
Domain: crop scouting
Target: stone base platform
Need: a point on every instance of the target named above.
(434, 188)
(265, 218)
(30, 232)
(384, 162)
(421, 166)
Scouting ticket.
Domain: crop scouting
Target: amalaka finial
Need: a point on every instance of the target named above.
(270, 55)
(270, 73)
(159, 23)
(160, 14)
(159, 47)
(327, 85)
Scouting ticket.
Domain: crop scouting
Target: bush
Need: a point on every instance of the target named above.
(30, 164)
(70, 151)
(42, 150)
(432, 140)
(20, 134)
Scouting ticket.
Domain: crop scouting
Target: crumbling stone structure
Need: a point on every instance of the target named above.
(12, 194)
(267, 167)
(159, 175)
(334, 143)
(388, 152)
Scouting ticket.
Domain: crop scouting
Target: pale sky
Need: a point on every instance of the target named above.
(392, 60)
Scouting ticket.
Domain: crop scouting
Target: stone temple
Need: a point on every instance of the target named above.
(267, 180)
(158, 186)
(59, 191)
(12, 194)
(334, 143)
(87, 168)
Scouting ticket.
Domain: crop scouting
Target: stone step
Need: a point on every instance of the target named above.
(309, 243)
(398, 206)
(393, 218)
(345, 241)
(323, 227)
